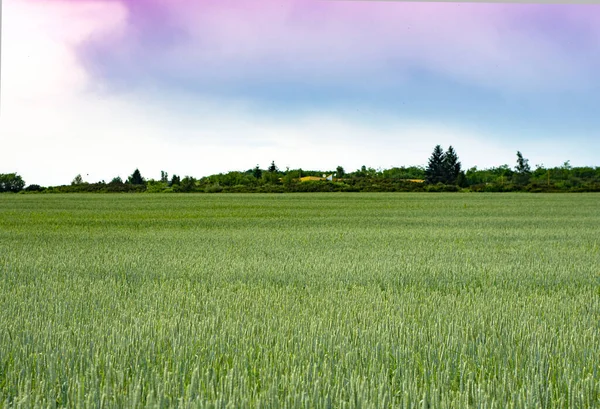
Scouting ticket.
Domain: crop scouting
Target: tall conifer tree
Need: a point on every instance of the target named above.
(136, 178)
(452, 166)
(435, 172)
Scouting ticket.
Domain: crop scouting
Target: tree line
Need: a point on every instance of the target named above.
(443, 173)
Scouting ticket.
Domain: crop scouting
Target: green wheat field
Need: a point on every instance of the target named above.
(300, 301)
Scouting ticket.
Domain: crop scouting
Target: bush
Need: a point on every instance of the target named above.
(156, 186)
(214, 188)
(34, 188)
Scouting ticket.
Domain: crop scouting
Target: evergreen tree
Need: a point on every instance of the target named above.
(435, 171)
(257, 172)
(273, 167)
(175, 180)
(136, 178)
(452, 166)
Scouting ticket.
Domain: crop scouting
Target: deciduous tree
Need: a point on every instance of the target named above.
(523, 170)
(78, 180)
(11, 182)
(522, 164)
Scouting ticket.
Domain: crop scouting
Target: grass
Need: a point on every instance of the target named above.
(300, 301)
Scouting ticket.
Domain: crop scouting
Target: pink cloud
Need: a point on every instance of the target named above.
(500, 46)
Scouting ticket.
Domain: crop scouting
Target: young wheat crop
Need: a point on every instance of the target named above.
(300, 301)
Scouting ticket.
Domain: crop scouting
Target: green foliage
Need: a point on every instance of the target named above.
(233, 179)
(136, 178)
(273, 168)
(288, 179)
(100, 187)
(175, 180)
(461, 179)
(360, 173)
(11, 182)
(257, 172)
(436, 172)
(34, 188)
(271, 178)
(444, 169)
(214, 188)
(501, 175)
(523, 170)
(156, 186)
(406, 173)
(188, 184)
(77, 180)
(451, 166)
(522, 164)
(365, 172)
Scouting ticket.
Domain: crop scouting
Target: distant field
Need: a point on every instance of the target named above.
(300, 301)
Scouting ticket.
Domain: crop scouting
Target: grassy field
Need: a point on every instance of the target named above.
(300, 301)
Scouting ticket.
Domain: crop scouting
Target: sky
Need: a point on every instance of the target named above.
(197, 87)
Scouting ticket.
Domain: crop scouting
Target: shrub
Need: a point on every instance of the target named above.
(214, 188)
